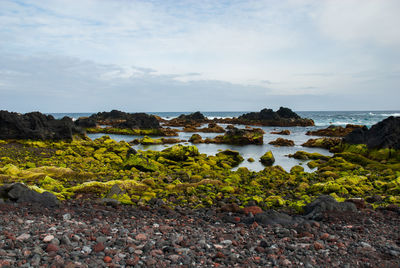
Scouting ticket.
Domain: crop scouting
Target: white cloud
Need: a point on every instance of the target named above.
(138, 46)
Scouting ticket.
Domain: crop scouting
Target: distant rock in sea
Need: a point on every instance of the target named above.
(120, 119)
(37, 126)
(267, 117)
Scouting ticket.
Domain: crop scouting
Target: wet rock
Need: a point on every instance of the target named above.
(334, 131)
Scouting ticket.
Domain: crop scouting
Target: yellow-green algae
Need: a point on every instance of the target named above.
(180, 175)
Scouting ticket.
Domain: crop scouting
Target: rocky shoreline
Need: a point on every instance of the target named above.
(68, 201)
(86, 234)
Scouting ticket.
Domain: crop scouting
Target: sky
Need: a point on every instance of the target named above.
(236, 55)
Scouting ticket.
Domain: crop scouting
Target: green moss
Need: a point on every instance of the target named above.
(267, 159)
(296, 170)
(179, 152)
(274, 201)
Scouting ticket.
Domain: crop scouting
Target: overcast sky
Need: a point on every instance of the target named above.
(89, 56)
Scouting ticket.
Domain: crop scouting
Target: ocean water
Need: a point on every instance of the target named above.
(322, 119)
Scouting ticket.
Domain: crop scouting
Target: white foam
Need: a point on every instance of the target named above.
(394, 114)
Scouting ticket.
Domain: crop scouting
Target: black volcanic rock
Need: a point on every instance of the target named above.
(385, 134)
(126, 120)
(86, 122)
(36, 126)
(264, 114)
(287, 113)
(197, 116)
(267, 117)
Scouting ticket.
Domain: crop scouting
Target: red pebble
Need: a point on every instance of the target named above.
(107, 259)
(324, 236)
(318, 245)
(98, 247)
(51, 247)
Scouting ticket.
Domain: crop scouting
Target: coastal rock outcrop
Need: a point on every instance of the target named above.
(37, 126)
(334, 131)
(241, 136)
(385, 134)
(120, 119)
(187, 120)
(267, 117)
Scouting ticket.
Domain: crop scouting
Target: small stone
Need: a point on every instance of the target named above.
(138, 252)
(86, 249)
(98, 247)
(174, 257)
(107, 259)
(23, 237)
(51, 248)
(66, 217)
(318, 245)
(48, 238)
(141, 237)
(101, 239)
(219, 255)
(324, 236)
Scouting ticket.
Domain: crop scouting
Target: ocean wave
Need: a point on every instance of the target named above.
(394, 114)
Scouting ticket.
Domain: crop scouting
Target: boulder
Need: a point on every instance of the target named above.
(267, 159)
(197, 116)
(327, 204)
(385, 134)
(196, 138)
(20, 193)
(282, 142)
(271, 217)
(37, 126)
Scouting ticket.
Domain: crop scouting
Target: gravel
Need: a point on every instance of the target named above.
(87, 234)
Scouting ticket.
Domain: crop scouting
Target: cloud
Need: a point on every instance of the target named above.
(242, 53)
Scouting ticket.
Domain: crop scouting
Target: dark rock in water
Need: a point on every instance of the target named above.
(334, 131)
(283, 132)
(267, 117)
(197, 116)
(325, 204)
(18, 192)
(385, 134)
(241, 136)
(326, 143)
(287, 113)
(37, 126)
(267, 159)
(86, 122)
(120, 119)
(282, 142)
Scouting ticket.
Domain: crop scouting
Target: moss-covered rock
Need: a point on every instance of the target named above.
(267, 159)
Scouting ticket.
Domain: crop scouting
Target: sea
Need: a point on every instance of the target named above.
(322, 119)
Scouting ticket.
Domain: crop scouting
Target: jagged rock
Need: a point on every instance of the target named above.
(120, 119)
(326, 204)
(197, 116)
(37, 126)
(190, 121)
(267, 117)
(18, 192)
(241, 136)
(86, 122)
(385, 134)
(334, 131)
